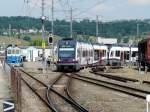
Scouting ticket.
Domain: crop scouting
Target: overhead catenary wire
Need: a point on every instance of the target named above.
(86, 10)
(64, 11)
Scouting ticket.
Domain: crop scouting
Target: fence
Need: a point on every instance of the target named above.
(16, 87)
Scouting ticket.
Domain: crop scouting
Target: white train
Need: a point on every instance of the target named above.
(115, 55)
(100, 54)
(133, 51)
(76, 55)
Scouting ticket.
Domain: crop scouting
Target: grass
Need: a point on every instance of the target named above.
(4, 41)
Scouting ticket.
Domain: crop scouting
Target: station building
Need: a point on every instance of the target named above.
(103, 40)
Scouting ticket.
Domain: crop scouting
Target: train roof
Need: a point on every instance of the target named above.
(96, 46)
(11, 47)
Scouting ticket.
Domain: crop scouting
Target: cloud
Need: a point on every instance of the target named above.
(139, 2)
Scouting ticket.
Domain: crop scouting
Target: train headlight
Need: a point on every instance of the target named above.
(73, 60)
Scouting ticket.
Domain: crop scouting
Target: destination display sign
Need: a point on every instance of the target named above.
(66, 49)
(66, 46)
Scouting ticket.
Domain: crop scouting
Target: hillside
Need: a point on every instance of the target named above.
(4, 41)
(117, 29)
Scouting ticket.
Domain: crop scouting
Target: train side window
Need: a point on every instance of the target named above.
(83, 54)
(126, 55)
(79, 53)
(134, 54)
(91, 53)
(86, 53)
(96, 54)
(117, 53)
(112, 53)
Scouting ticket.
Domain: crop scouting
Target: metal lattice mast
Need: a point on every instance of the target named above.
(97, 26)
(52, 22)
(71, 21)
(43, 36)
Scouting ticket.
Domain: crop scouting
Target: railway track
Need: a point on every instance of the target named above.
(136, 92)
(118, 78)
(46, 97)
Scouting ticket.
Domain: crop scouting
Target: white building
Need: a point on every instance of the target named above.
(102, 40)
(32, 54)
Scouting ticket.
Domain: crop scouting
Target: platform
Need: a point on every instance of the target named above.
(4, 87)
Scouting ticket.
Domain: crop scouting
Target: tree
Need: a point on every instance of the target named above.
(27, 38)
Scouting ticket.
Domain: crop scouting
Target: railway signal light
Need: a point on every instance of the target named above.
(50, 39)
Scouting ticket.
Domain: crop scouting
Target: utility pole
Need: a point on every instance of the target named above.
(137, 30)
(52, 22)
(10, 30)
(71, 21)
(97, 26)
(43, 36)
(52, 30)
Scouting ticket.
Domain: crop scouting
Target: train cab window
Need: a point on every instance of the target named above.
(117, 53)
(17, 52)
(66, 54)
(126, 55)
(134, 54)
(9, 52)
(104, 53)
(13, 51)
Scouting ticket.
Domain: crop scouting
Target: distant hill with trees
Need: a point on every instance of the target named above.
(117, 29)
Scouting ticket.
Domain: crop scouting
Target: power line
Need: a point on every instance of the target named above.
(60, 2)
(86, 10)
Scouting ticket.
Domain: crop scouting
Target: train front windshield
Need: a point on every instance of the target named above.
(66, 54)
(67, 49)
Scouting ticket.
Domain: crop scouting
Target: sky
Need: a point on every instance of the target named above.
(107, 10)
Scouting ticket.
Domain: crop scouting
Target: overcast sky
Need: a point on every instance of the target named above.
(107, 9)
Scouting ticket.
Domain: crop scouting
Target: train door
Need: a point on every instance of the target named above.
(96, 55)
(122, 57)
(30, 55)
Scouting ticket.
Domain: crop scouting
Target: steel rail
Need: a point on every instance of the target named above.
(34, 91)
(109, 87)
(118, 78)
(119, 85)
(69, 95)
(50, 88)
(48, 91)
(69, 100)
